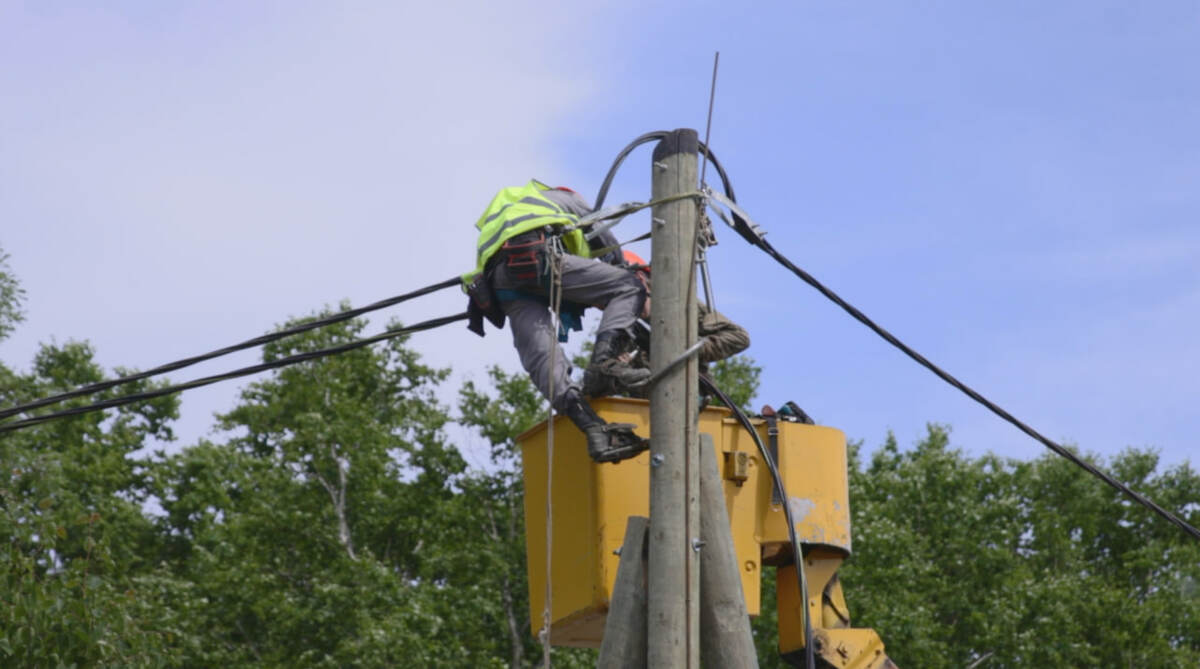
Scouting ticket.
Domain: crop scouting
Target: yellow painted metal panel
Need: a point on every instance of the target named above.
(575, 543)
(819, 567)
(852, 649)
(812, 461)
(591, 505)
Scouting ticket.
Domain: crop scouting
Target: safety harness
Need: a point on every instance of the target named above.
(515, 211)
(519, 229)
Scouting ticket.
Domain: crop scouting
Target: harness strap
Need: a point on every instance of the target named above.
(773, 447)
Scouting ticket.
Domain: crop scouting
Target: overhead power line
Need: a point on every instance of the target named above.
(757, 239)
(249, 343)
(244, 371)
(744, 226)
(740, 222)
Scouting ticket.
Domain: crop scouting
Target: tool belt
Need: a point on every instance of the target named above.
(524, 256)
(526, 259)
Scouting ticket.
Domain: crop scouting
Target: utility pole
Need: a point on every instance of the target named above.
(673, 601)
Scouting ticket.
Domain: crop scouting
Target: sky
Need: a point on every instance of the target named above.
(1010, 188)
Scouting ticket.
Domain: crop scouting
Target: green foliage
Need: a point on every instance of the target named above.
(737, 377)
(332, 523)
(315, 535)
(12, 296)
(1035, 563)
(73, 538)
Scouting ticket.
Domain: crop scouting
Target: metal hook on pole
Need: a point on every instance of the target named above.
(702, 261)
(705, 237)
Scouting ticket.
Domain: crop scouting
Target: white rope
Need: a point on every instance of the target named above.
(552, 257)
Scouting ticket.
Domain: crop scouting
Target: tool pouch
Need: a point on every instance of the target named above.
(483, 304)
(525, 256)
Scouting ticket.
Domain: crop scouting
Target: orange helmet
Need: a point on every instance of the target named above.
(634, 259)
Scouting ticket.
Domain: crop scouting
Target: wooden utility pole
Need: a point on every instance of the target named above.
(673, 621)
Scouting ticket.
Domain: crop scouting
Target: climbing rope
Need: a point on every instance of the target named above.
(554, 261)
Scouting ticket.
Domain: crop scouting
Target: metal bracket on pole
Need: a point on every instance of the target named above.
(684, 357)
(748, 228)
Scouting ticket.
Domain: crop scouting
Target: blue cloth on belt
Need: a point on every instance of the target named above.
(570, 317)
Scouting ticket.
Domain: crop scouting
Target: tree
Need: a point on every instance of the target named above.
(333, 523)
(73, 538)
(737, 377)
(312, 536)
(1024, 563)
(12, 297)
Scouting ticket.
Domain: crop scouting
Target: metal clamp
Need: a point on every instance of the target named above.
(751, 227)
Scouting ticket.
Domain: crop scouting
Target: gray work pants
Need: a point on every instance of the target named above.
(614, 289)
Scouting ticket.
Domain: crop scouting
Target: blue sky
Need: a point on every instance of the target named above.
(1008, 187)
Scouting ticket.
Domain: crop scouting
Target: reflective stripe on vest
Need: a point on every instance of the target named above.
(535, 201)
(517, 210)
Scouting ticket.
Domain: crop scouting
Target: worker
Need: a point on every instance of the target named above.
(721, 338)
(524, 235)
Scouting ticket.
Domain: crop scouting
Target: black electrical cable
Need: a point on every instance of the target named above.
(740, 225)
(772, 466)
(245, 371)
(743, 228)
(249, 343)
(650, 137)
(970, 392)
(612, 171)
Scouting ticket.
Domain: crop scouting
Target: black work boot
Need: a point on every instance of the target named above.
(606, 442)
(606, 373)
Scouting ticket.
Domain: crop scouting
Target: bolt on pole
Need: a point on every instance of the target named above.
(673, 575)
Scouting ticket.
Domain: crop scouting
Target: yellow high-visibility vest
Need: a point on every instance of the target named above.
(516, 210)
